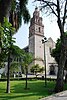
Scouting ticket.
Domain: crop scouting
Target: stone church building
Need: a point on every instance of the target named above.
(41, 51)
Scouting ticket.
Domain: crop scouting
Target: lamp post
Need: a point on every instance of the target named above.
(43, 42)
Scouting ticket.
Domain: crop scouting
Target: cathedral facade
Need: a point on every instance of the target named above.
(41, 51)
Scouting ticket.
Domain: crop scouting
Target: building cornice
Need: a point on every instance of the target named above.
(37, 34)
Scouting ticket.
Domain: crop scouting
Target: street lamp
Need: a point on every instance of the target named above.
(43, 42)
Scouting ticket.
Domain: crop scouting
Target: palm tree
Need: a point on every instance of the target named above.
(15, 6)
(19, 10)
(27, 59)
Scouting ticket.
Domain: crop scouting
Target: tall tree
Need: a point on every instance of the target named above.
(56, 54)
(7, 43)
(18, 10)
(59, 9)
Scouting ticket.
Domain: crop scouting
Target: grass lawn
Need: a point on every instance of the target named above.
(36, 90)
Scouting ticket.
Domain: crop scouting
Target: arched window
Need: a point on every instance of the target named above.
(52, 70)
(39, 29)
(50, 49)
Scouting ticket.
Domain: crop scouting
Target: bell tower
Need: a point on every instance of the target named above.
(36, 34)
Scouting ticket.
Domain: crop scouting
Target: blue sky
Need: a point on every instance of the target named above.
(50, 28)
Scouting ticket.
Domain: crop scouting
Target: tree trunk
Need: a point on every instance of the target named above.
(60, 74)
(60, 80)
(5, 6)
(26, 78)
(9, 61)
(8, 74)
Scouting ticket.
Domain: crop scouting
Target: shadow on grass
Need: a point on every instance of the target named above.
(14, 96)
(36, 88)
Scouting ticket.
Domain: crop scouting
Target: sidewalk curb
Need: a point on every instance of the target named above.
(57, 96)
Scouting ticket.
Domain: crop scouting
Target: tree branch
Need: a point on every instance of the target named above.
(49, 4)
(52, 3)
(58, 12)
(51, 9)
(65, 11)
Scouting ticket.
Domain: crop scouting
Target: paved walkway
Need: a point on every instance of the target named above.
(58, 96)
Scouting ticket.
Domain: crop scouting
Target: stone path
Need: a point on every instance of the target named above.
(58, 96)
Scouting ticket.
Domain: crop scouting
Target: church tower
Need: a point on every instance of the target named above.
(36, 34)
